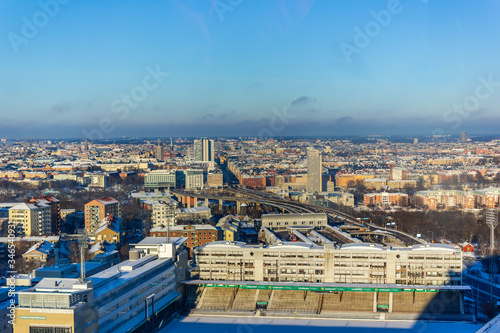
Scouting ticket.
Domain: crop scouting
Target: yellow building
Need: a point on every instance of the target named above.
(64, 306)
(375, 183)
(215, 180)
(344, 180)
(31, 219)
(39, 253)
(109, 230)
(230, 227)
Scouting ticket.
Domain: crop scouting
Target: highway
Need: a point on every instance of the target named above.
(247, 195)
(282, 205)
(406, 238)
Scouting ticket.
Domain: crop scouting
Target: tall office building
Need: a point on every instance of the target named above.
(314, 169)
(159, 151)
(204, 150)
(463, 137)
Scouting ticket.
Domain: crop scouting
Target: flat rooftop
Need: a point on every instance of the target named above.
(216, 324)
(305, 285)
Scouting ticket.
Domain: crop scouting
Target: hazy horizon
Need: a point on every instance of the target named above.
(240, 68)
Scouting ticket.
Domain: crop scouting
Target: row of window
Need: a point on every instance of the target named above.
(435, 257)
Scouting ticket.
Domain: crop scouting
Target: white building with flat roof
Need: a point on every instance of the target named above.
(426, 264)
(117, 299)
(283, 221)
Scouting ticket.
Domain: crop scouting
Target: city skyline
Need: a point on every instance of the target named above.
(74, 70)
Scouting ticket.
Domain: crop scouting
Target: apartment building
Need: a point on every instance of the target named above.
(230, 227)
(31, 219)
(163, 213)
(196, 234)
(345, 180)
(98, 209)
(427, 264)
(385, 199)
(55, 211)
(97, 180)
(340, 198)
(467, 198)
(215, 180)
(193, 179)
(314, 170)
(488, 197)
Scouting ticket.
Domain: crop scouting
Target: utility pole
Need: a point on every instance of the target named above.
(492, 222)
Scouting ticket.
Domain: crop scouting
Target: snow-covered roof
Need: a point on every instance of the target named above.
(226, 244)
(181, 228)
(435, 246)
(29, 206)
(110, 222)
(161, 240)
(152, 195)
(54, 239)
(362, 246)
(42, 247)
(292, 245)
(102, 246)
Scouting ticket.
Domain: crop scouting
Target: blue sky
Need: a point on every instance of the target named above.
(240, 67)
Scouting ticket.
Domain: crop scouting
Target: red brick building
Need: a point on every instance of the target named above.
(255, 182)
(197, 234)
(385, 199)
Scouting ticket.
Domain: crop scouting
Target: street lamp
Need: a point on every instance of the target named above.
(492, 222)
(146, 305)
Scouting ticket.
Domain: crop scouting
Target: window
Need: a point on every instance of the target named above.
(41, 329)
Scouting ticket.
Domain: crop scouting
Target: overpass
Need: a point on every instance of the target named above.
(185, 199)
(259, 198)
(403, 236)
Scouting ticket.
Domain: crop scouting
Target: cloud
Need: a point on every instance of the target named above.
(208, 116)
(302, 100)
(312, 111)
(225, 116)
(344, 119)
(60, 108)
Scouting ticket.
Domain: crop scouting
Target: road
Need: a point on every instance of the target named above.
(403, 236)
(246, 195)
